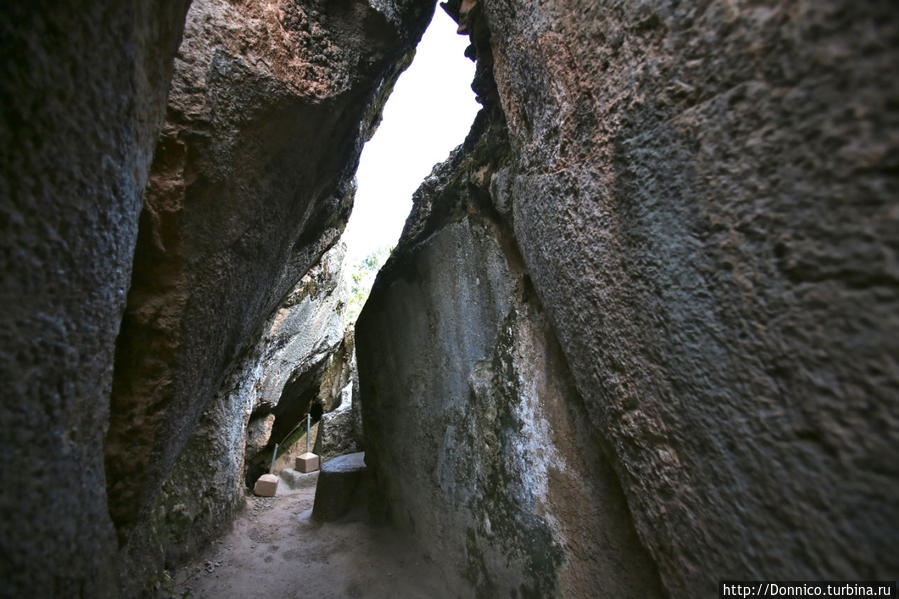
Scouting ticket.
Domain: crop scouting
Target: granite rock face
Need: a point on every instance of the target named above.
(306, 332)
(718, 259)
(82, 96)
(704, 197)
(259, 403)
(340, 431)
(251, 182)
(259, 431)
(639, 335)
(300, 363)
(473, 426)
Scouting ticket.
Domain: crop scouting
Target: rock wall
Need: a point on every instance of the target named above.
(82, 93)
(342, 427)
(704, 198)
(472, 421)
(232, 442)
(657, 290)
(302, 363)
(251, 183)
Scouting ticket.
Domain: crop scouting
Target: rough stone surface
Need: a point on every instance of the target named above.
(472, 423)
(251, 183)
(82, 96)
(304, 335)
(338, 482)
(339, 434)
(704, 197)
(227, 452)
(303, 363)
(203, 491)
(259, 431)
(341, 370)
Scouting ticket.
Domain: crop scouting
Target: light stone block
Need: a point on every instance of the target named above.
(307, 462)
(266, 485)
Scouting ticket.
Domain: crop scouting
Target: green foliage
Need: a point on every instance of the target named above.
(363, 277)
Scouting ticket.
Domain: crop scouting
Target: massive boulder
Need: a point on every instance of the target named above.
(341, 432)
(476, 432)
(640, 334)
(258, 404)
(300, 363)
(703, 196)
(82, 96)
(251, 183)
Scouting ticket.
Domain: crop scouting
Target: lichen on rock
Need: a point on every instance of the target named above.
(639, 334)
(706, 222)
(472, 422)
(239, 206)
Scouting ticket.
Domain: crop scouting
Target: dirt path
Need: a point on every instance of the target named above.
(275, 551)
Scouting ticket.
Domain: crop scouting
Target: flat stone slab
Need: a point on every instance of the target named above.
(266, 485)
(346, 463)
(294, 480)
(337, 483)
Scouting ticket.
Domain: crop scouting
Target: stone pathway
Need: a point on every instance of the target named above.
(275, 551)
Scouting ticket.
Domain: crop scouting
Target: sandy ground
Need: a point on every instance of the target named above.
(275, 551)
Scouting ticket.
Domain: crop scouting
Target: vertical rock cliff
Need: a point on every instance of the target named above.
(472, 421)
(639, 335)
(255, 408)
(703, 198)
(82, 92)
(251, 183)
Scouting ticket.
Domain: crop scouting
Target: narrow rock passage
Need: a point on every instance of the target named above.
(275, 550)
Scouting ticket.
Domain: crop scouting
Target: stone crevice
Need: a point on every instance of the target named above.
(637, 336)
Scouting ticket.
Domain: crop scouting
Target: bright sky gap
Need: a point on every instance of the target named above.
(428, 114)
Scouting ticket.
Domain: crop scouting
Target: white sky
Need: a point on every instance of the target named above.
(428, 114)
